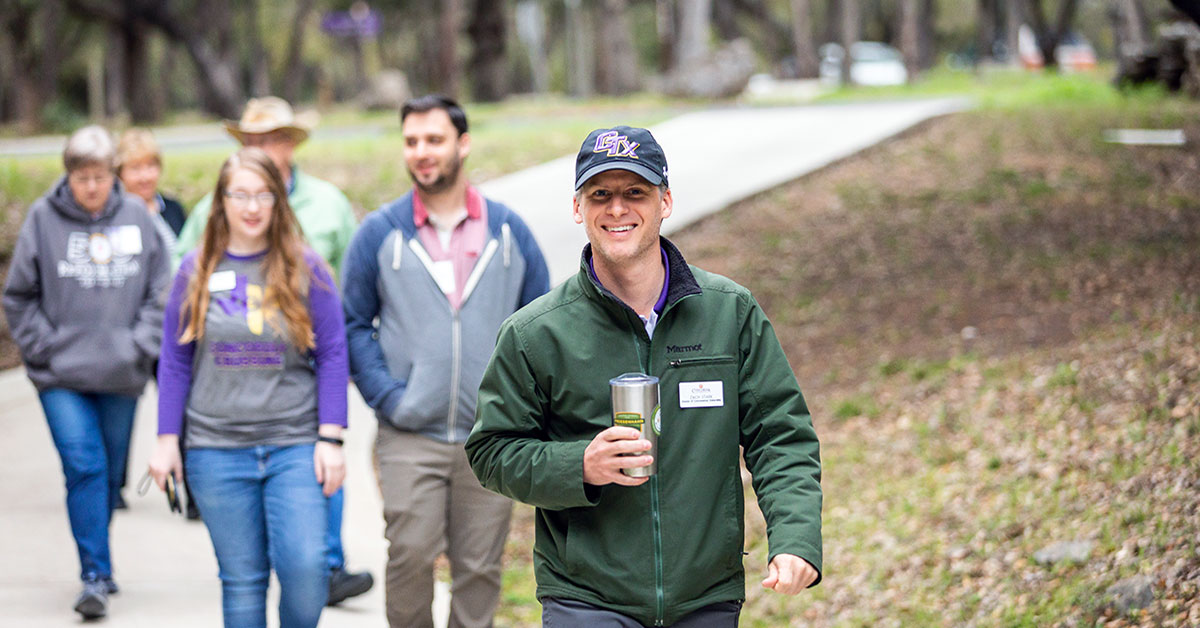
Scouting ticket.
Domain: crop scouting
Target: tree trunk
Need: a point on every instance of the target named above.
(928, 34)
(489, 45)
(211, 49)
(724, 17)
(1014, 17)
(1190, 8)
(694, 27)
(775, 35)
(138, 99)
(985, 32)
(1048, 36)
(808, 65)
(616, 63)
(851, 27)
(877, 22)
(293, 68)
(531, 29)
(115, 85)
(26, 101)
(33, 35)
(258, 61)
(668, 35)
(833, 22)
(448, 71)
(910, 35)
(580, 65)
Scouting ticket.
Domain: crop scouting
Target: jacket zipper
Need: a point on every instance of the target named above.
(717, 359)
(455, 320)
(455, 374)
(655, 516)
(658, 562)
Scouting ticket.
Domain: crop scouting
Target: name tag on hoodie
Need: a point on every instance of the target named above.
(443, 274)
(126, 240)
(222, 281)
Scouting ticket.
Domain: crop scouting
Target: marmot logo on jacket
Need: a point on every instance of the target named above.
(102, 259)
(684, 348)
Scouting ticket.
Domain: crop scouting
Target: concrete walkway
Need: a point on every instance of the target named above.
(715, 158)
(165, 564)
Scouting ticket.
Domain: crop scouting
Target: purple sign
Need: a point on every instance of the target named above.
(353, 23)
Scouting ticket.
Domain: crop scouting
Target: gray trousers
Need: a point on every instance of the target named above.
(432, 503)
(564, 613)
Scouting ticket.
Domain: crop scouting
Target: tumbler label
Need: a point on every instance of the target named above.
(628, 419)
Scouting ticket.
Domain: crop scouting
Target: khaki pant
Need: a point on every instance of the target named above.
(432, 503)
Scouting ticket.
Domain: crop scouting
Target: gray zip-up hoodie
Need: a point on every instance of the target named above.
(84, 293)
(415, 360)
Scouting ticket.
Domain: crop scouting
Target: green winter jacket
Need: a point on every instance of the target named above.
(674, 544)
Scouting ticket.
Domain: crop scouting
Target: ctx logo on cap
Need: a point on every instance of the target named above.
(621, 148)
(616, 145)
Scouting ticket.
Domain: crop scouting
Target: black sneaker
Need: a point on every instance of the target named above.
(110, 585)
(193, 513)
(119, 503)
(92, 602)
(346, 584)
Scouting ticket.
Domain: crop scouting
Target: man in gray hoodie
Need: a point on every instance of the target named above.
(83, 301)
(427, 281)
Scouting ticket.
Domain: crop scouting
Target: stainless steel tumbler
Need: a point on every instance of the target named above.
(635, 404)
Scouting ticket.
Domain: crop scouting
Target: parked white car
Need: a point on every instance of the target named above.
(872, 63)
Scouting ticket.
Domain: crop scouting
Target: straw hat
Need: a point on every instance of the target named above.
(267, 114)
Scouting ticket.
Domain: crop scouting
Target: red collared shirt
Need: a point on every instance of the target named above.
(466, 243)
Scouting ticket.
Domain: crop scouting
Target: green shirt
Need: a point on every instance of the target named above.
(323, 211)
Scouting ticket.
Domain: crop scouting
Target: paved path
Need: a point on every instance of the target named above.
(715, 158)
(165, 565)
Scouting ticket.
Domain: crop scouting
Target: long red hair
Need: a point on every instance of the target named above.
(286, 274)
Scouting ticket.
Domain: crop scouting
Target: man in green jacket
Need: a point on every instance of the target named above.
(614, 550)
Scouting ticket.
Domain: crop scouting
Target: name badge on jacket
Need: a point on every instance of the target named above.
(701, 394)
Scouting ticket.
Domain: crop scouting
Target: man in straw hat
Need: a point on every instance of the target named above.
(328, 223)
(323, 211)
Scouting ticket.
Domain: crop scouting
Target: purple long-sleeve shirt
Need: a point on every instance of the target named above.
(245, 383)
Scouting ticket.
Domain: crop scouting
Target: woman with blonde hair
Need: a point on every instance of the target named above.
(254, 357)
(140, 167)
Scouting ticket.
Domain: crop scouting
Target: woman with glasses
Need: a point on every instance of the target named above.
(83, 305)
(255, 359)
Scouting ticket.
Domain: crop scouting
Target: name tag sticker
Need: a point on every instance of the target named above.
(701, 394)
(443, 274)
(126, 240)
(222, 281)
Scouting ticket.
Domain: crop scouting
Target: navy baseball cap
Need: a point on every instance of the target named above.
(621, 148)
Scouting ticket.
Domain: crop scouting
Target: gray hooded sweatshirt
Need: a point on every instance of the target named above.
(84, 293)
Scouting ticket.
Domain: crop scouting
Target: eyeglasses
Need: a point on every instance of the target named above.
(83, 179)
(242, 199)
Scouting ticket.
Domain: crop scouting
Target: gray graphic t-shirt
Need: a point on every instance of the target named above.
(250, 384)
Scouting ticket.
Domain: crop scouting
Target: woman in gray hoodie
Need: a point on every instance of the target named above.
(83, 301)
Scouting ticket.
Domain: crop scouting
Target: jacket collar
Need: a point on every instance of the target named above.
(400, 214)
(682, 283)
(474, 206)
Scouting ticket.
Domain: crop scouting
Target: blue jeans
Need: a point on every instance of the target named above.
(264, 510)
(336, 556)
(91, 432)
